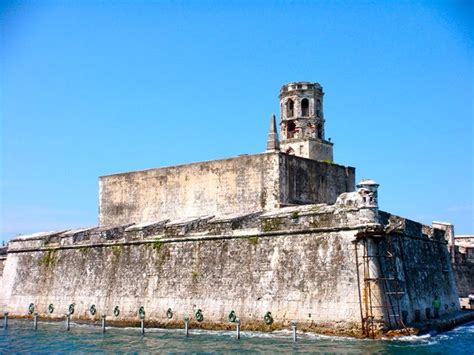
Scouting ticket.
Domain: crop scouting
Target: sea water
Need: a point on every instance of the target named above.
(52, 337)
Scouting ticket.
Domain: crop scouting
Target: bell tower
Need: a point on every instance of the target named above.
(302, 121)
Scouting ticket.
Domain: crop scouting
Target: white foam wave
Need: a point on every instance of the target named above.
(411, 338)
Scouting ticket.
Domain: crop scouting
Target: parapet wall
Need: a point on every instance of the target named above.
(297, 263)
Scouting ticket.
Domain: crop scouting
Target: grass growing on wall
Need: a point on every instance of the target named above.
(117, 250)
(49, 259)
(294, 214)
(253, 240)
(157, 244)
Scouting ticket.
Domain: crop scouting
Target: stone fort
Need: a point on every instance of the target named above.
(284, 235)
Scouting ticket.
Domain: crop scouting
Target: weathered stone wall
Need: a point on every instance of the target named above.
(245, 183)
(297, 263)
(308, 181)
(462, 249)
(464, 273)
(252, 264)
(250, 276)
(237, 185)
(310, 148)
(421, 262)
(3, 259)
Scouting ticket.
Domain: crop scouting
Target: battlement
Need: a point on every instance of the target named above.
(300, 85)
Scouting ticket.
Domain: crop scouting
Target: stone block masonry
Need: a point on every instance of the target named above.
(296, 262)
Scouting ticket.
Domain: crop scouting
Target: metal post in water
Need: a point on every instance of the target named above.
(293, 326)
(68, 322)
(5, 320)
(35, 321)
(142, 325)
(186, 329)
(237, 322)
(103, 323)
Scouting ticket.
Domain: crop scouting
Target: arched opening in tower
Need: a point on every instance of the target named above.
(290, 108)
(305, 107)
(290, 151)
(290, 129)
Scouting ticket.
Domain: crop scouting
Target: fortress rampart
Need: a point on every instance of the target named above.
(299, 263)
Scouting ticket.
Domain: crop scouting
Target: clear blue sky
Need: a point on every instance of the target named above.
(90, 88)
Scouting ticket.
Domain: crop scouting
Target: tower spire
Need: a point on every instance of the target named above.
(272, 142)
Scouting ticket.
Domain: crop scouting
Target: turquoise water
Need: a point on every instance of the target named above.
(51, 337)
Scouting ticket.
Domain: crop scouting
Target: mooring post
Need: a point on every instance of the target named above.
(293, 327)
(186, 329)
(142, 325)
(35, 321)
(5, 320)
(68, 321)
(237, 329)
(103, 323)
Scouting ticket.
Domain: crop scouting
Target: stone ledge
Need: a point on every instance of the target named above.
(288, 220)
(161, 238)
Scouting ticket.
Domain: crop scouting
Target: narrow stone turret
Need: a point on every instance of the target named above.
(367, 188)
(302, 122)
(272, 143)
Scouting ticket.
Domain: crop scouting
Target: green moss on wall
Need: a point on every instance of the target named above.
(195, 275)
(49, 259)
(271, 224)
(253, 240)
(117, 250)
(157, 244)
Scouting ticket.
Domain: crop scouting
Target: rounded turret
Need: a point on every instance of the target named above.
(367, 188)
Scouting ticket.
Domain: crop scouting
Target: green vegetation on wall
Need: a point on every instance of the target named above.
(195, 276)
(253, 240)
(157, 244)
(117, 250)
(271, 224)
(49, 259)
